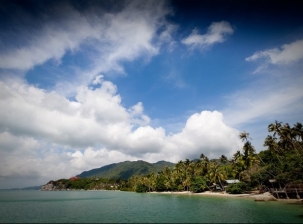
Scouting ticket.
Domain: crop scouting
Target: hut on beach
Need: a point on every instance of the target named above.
(291, 190)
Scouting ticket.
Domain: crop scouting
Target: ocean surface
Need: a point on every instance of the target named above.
(117, 207)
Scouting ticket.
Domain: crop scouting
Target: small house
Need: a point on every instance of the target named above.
(215, 187)
(234, 181)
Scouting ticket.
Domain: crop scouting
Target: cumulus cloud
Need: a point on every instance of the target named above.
(96, 158)
(216, 33)
(28, 110)
(288, 53)
(26, 160)
(207, 133)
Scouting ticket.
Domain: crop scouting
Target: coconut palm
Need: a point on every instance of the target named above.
(152, 181)
(286, 136)
(204, 164)
(223, 159)
(217, 174)
(243, 162)
(167, 175)
(298, 131)
(244, 136)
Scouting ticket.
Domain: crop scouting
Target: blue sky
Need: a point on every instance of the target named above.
(86, 84)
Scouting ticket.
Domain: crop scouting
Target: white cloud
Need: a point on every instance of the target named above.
(30, 161)
(138, 117)
(276, 93)
(263, 102)
(288, 53)
(216, 33)
(97, 158)
(51, 42)
(205, 133)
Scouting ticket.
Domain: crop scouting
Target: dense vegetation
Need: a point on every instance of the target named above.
(85, 184)
(282, 161)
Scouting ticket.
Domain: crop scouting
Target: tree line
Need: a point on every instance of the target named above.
(282, 161)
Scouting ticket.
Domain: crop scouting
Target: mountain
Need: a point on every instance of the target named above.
(125, 170)
(23, 189)
(32, 188)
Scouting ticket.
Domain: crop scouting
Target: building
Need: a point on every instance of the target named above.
(232, 181)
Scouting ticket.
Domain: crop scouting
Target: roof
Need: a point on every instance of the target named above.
(233, 181)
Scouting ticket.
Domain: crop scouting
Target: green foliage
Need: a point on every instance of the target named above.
(238, 188)
(160, 186)
(198, 185)
(86, 184)
(284, 157)
(141, 188)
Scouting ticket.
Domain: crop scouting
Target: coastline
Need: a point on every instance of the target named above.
(256, 197)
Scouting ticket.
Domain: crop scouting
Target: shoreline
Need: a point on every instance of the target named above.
(256, 197)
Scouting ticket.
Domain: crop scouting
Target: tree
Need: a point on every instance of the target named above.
(152, 181)
(223, 159)
(245, 161)
(216, 173)
(286, 145)
(167, 178)
(204, 164)
(198, 184)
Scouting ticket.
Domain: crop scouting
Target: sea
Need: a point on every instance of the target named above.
(128, 207)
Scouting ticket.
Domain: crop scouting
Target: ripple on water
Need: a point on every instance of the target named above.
(115, 206)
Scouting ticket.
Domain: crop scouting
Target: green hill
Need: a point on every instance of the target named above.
(125, 170)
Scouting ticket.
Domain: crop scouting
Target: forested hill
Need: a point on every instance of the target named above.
(125, 170)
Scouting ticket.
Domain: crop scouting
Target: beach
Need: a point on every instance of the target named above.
(257, 197)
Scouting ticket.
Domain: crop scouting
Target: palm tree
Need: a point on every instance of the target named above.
(187, 171)
(275, 128)
(152, 179)
(249, 156)
(223, 159)
(286, 136)
(204, 164)
(198, 168)
(244, 136)
(243, 163)
(217, 174)
(298, 131)
(273, 147)
(167, 176)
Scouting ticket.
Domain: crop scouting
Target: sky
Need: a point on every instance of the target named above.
(84, 84)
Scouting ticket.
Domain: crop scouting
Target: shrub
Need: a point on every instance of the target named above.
(237, 188)
(140, 188)
(198, 185)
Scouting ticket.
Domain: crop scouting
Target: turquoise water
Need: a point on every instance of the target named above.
(115, 206)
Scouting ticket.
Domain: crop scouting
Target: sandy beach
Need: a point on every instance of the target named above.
(257, 197)
(202, 193)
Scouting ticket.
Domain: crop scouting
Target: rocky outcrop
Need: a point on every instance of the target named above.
(50, 186)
